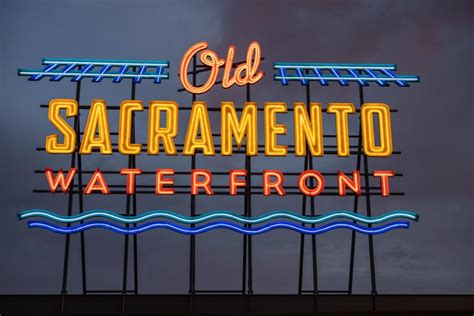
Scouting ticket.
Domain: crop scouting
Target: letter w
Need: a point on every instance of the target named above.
(59, 179)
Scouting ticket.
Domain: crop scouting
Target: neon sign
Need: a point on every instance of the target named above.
(272, 180)
(237, 133)
(246, 73)
(308, 129)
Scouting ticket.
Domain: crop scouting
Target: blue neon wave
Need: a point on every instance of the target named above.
(217, 225)
(219, 214)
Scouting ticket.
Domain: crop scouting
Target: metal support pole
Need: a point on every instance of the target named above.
(303, 212)
(131, 203)
(134, 212)
(192, 246)
(313, 213)
(81, 200)
(248, 209)
(308, 165)
(369, 213)
(244, 246)
(69, 212)
(356, 199)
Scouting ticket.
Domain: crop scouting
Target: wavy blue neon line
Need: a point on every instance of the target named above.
(205, 228)
(219, 214)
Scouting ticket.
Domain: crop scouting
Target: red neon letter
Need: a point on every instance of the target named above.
(160, 181)
(384, 174)
(59, 180)
(277, 185)
(344, 181)
(97, 183)
(234, 182)
(302, 182)
(208, 58)
(205, 184)
(131, 173)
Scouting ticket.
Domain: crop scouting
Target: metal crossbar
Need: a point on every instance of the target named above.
(362, 74)
(98, 69)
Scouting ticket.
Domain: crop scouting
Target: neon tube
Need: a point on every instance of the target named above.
(212, 226)
(221, 214)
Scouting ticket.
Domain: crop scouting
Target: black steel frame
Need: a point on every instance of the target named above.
(366, 193)
(247, 271)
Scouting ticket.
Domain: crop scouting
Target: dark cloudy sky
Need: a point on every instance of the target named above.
(433, 129)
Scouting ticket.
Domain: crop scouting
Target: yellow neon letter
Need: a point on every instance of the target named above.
(342, 128)
(199, 119)
(306, 131)
(230, 125)
(52, 145)
(272, 129)
(125, 127)
(367, 114)
(97, 121)
(168, 133)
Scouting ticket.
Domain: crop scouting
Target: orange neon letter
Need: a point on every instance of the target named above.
(205, 183)
(367, 111)
(247, 126)
(97, 121)
(384, 174)
(235, 182)
(341, 110)
(250, 67)
(199, 120)
(209, 58)
(277, 184)
(272, 129)
(160, 181)
(126, 121)
(344, 181)
(245, 73)
(308, 131)
(167, 133)
(59, 179)
(52, 144)
(302, 182)
(131, 173)
(97, 183)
